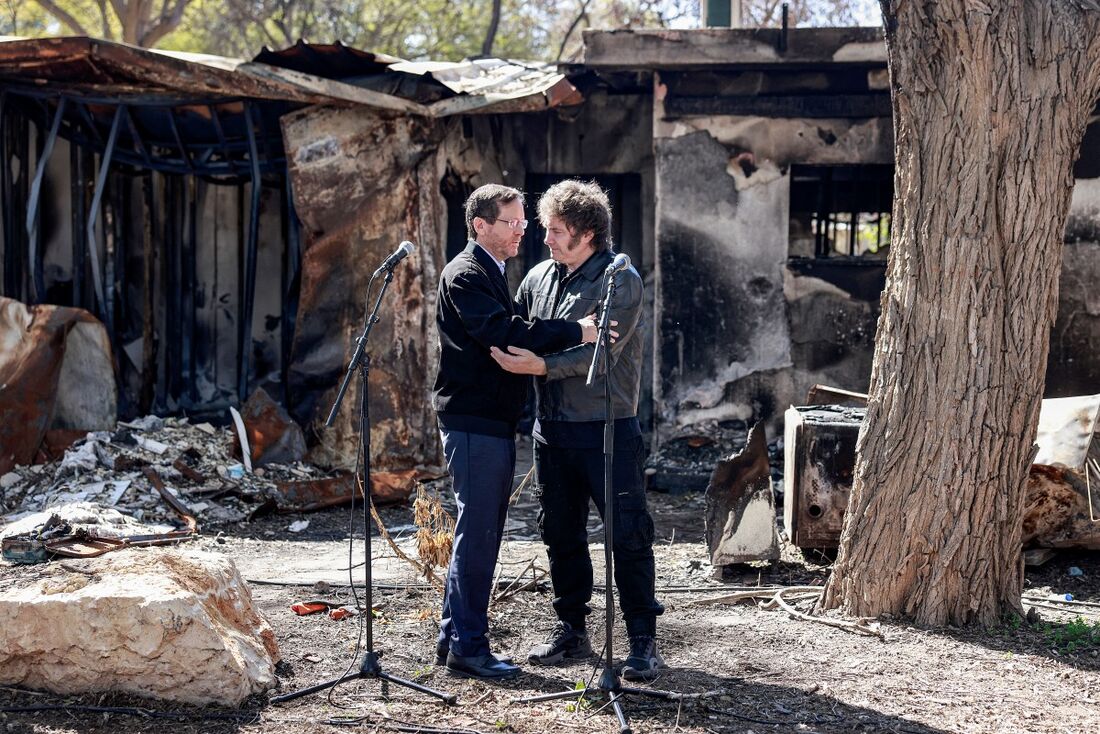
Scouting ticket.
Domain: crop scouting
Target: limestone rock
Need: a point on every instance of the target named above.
(159, 623)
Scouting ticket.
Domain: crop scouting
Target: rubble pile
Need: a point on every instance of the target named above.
(686, 460)
(110, 469)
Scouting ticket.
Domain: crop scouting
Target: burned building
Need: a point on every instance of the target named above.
(751, 174)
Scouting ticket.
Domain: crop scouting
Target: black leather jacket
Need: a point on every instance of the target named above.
(549, 293)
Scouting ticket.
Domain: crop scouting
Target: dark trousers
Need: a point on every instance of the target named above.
(482, 469)
(566, 480)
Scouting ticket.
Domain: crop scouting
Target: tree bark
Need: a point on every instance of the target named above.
(990, 103)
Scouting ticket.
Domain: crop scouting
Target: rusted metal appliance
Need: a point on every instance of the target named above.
(819, 459)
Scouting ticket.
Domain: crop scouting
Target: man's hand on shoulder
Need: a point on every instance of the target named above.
(591, 330)
(519, 361)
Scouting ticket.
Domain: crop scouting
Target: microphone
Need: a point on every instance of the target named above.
(621, 262)
(403, 250)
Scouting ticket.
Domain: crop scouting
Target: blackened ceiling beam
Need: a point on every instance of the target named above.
(794, 106)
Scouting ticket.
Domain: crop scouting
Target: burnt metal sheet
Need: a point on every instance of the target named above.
(740, 509)
(1066, 430)
(106, 67)
(31, 363)
(317, 494)
(495, 85)
(273, 437)
(83, 66)
(103, 71)
(359, 187)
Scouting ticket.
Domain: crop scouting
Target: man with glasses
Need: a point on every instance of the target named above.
(478, 405)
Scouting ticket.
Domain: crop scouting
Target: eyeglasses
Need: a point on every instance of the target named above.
(520, 224)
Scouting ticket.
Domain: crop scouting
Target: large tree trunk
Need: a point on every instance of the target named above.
(990, 105)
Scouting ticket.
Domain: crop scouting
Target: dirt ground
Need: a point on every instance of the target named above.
(743, 668)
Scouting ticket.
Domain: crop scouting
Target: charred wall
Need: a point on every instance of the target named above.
(363, 182)
(745, 328)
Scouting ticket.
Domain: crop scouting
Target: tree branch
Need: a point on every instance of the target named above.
(104, 20)
(572, 27)
(491, 33)
(51, 7)
(165, 25)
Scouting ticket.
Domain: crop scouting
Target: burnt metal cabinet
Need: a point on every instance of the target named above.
(819, 446)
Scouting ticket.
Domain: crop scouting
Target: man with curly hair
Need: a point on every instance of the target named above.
(568, 433)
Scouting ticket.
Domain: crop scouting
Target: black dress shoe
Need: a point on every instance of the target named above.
(480, 666)
(441, 656)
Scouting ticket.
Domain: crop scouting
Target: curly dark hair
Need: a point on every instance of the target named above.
(583, 206)
(485, 202)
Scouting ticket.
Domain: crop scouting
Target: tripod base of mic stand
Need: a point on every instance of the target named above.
(610, 685)
(368, 669)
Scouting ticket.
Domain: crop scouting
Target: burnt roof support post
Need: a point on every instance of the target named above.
(245, 351)
(184, 155)
(149, 380)
(115, 236)
(291, 275)
(82, 108)
(173, 301)
(138, 142)
(79, 192)
(189, 394)
(93, 214)
(38, 282)
(6, 201)
(220, 132)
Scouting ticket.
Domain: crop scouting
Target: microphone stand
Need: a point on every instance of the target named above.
(610, 683)
(369, 667)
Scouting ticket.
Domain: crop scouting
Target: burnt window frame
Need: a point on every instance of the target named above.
(843, 197)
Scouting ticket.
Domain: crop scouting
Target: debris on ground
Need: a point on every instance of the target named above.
(196, 473)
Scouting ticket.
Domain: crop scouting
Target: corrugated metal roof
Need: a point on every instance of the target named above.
(79, 65)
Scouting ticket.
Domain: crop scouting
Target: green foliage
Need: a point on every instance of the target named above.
(1073, 636)
(583, 703)
(1013, 622)
(20, 18)
(446, 30)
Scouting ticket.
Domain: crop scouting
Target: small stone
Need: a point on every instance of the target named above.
(9, 480)
(298, 526)
(1075, 571)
